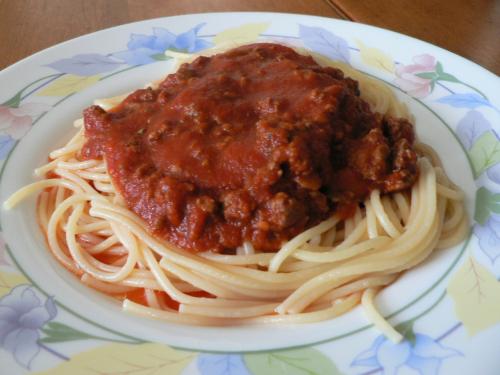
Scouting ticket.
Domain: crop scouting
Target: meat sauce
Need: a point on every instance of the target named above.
(255, 144)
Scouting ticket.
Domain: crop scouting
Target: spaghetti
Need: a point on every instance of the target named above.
(321, 273)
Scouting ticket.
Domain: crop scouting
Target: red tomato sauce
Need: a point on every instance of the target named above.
(255, 144)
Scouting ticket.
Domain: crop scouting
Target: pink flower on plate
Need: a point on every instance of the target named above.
(16, 122)
(408, 76)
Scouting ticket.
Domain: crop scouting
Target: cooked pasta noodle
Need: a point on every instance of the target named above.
(319, 274)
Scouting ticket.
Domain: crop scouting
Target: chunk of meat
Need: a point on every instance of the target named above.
(283, 211)
(369, 155)
(399, 128)
(238, 206)
(404, 167)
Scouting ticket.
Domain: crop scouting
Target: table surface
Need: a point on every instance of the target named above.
(470, 28)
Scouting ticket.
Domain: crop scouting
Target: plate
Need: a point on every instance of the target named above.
(448, 308)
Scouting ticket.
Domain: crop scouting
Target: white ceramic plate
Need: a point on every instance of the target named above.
(448, 307)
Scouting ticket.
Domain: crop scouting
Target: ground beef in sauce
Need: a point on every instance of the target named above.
(255, 144)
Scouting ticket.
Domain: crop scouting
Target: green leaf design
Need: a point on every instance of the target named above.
(447, 77)
(14, 101)
(59, 332)
(486, 202)
(438, 75)
(484, 153)
(439, 68)
(428, 75)
(160, 57)
(304, 361)
(406, 329)
(482, 200)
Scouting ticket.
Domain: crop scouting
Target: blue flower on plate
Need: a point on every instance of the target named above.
(22, 315)
(494, 173)
(471, 127)
(424, 356)
(85, 65)
(221, 364)
(145, 49)
(325, 42)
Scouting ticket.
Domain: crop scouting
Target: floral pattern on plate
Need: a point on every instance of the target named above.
(422, 354)
(22, 315)
(31, 323)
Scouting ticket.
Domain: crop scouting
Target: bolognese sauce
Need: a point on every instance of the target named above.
(254, 144)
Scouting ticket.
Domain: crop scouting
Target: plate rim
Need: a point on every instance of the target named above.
(8, 69)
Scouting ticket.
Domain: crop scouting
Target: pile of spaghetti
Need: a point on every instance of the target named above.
(328, 268)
